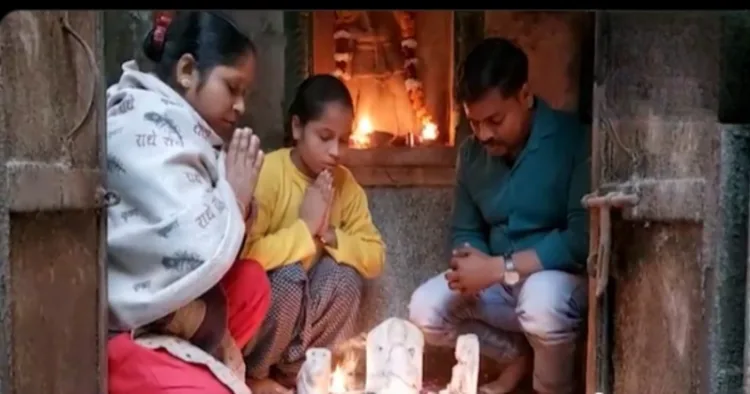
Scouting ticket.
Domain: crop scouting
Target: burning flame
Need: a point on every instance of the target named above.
(338, 380)
(429, 131)
(360, 138)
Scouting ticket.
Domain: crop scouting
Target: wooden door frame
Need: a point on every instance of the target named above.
(593, 320)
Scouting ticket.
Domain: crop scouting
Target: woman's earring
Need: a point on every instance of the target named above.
(531, 101)
(185, 83)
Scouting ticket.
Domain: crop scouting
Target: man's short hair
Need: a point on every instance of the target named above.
(496, 63)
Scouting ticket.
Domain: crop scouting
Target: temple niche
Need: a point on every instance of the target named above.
(383, 59)
(398, 66)
(376, 79)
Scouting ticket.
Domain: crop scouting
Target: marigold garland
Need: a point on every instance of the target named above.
(343, 43)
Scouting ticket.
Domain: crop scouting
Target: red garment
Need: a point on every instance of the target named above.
(134, 369)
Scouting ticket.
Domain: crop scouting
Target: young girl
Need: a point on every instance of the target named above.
(313, 234)
(174, 236)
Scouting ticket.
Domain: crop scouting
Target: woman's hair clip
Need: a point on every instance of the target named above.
(162, 21)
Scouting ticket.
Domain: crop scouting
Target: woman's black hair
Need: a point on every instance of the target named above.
(495, 63)
(211, 37)
(311, 98)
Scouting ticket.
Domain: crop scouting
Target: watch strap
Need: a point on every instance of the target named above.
(509, 264)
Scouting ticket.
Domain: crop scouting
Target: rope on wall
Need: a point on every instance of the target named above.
(68, 29)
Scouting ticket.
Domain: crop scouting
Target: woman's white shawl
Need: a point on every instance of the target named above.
(177, 228)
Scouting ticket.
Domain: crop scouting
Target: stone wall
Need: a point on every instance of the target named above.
(681, 255)
(660, 94)
(553, 42)
(265, 106)
(124, 31)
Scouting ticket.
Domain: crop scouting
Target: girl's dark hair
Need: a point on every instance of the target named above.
(211, 37)
(311, 98)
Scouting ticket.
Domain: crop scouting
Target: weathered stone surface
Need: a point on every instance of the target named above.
(124, 32)
(734, 107)
(52, 298)
(415, 225)
(553, 43)
(727, 253)
(656, 119)
(265, 112)
(657, 275)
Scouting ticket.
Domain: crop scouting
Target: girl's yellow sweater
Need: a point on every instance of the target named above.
(278, 236)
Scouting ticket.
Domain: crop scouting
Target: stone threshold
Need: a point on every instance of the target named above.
(402, 166)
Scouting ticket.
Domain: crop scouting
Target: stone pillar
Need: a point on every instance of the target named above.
(656, 129)
(729, 289)
(52, 284)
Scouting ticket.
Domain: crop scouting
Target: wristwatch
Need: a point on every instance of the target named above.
(510, 275)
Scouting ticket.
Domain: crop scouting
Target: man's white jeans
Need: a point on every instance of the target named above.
(548, 307)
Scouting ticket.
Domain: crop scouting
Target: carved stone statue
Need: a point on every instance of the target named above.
(349, 357)
(465, 376)
(394, 358)
(315, 375)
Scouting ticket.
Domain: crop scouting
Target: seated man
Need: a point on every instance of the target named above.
(519, 231)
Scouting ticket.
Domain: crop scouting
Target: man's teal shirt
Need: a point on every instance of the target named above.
(536, 203)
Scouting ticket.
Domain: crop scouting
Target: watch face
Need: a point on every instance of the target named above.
(512, 278)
